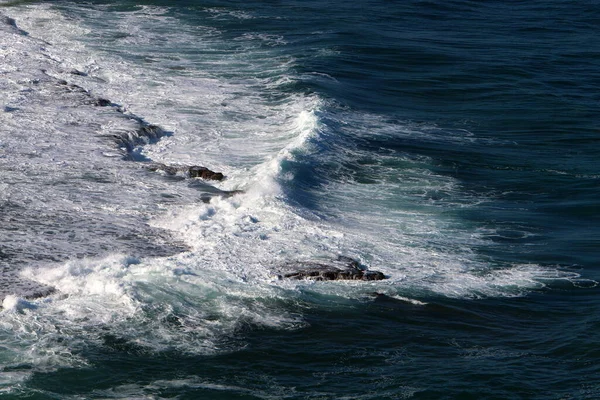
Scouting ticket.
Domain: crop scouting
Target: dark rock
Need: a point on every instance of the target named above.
(128, 140)
(204, 173)
(151, 131)
(194, 171)
(77, 72)
(42, 292)
(344, 268)
(100, 102)
(77, 88)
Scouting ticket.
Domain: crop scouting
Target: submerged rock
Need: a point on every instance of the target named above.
(168, 169)
(207, 197)
(9, 24)
(150, 131)
(15, 287)
(100, 102)
(344, 268)
(77, 72)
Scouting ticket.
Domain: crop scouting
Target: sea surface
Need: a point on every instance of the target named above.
(452, 145)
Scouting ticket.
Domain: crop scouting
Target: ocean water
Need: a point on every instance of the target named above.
(451, 145)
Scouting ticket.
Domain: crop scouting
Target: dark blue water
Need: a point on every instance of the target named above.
(456, 148)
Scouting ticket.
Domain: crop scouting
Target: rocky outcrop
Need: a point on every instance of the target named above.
(205, 173)
(88, 98)
(344, 268)
(128, 139)
(193, 171)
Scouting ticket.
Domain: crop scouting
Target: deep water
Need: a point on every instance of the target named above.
(451, 145)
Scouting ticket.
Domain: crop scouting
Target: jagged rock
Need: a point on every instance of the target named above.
(194, 171)
(204, 173)
(344, 268)
(127, 140)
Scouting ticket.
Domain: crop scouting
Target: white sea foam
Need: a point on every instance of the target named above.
(176, 304)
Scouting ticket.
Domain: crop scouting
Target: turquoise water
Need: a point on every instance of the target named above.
(450, 145)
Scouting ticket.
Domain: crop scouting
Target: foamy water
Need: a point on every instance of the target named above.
(136, 257)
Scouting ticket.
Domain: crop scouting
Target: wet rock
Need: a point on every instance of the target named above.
(204, 173)
(154, 132)
(100, 102)
(127, 140)
(194, 171)
(344, 268)
(44, 291)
